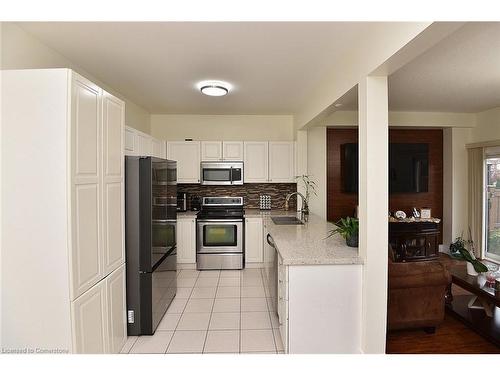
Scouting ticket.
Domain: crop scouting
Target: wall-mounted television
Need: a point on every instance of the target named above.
(408, 167)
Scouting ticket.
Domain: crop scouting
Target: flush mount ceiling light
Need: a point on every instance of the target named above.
(214, 88)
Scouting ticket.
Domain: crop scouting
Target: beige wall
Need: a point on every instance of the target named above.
(408, 119)
(223, 127)
(454, 184)
(488, 126)
(20, 50)
(316, 168)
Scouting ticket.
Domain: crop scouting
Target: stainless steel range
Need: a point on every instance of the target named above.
(220, 234)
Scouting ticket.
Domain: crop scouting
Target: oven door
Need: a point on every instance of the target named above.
(215, 236)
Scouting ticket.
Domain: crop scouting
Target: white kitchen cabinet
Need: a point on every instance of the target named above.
(116, 305)
(76, 231)
(90, 321)
(282, 309)
(163, 152)
(232, 150)
(145, 144)
(281, 162)
(211, 151)
(99, 316)
(186, 240)
(256, 162)
(187, 155)
(131, 147)
(157, 148)
(254, 251)
(113, 222)
(85, 128)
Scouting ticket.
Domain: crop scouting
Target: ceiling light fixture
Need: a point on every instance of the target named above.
(214, 88)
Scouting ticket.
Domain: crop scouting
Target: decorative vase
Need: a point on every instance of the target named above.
(470, 269)
(352, 241)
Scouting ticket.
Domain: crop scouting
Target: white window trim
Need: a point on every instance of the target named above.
(484, 254)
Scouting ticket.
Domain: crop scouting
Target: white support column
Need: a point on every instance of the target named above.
(373, 209)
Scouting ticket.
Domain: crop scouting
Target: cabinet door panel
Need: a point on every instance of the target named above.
(254, 252)
(281, 162)
(256, 162)
(112, 183)
(113, 117)
(113, 234)
(211, 151)
(186, 241)
(86, 249)
(90, 321)
(86, 128)
(232, 150)
(156, 148)
(130, 142)
(116, 309)
(187, 155)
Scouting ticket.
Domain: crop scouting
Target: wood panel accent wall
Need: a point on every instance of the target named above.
(341, 204)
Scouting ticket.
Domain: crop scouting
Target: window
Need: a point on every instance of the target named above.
(492, 211)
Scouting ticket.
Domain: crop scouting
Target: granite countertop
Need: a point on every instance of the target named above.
(306, 244)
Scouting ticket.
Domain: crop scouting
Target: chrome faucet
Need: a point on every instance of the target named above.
(304, 209)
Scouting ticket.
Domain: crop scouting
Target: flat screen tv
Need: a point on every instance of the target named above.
(408, 167)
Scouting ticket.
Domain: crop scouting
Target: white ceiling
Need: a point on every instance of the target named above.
(273, 66)
(459, 74)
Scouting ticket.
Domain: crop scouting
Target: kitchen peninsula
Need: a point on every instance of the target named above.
(315, 283)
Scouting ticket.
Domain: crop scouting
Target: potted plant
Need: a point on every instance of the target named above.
(349, 229)
(463, 249)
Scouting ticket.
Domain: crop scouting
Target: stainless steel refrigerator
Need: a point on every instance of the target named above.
(150, 240)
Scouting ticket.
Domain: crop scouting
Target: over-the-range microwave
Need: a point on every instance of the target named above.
(222, 173)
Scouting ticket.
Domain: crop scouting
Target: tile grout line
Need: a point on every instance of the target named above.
(269, 313)
(211, 312)
(182, 313)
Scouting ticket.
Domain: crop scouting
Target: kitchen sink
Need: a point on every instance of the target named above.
(286, 220)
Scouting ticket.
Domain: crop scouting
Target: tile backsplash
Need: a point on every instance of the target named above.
(249, 192)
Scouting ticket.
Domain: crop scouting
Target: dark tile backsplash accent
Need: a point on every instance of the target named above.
(249, 192)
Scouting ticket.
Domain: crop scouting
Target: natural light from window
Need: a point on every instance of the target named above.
(493, 208)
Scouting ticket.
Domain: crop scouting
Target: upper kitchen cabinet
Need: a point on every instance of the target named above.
(187, 155)
(141, 144)
(281, 162)
(269, 162)
(232, 150)
(131, 139)
(256, 162)
(211, 151)
(75, 240)
(158, 148)
(218, 151)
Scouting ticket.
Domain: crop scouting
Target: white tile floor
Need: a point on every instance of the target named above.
(215, 312)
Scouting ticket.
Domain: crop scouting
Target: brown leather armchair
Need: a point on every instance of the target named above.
(416, 296)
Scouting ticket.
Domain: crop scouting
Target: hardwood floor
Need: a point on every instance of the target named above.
(452, 337)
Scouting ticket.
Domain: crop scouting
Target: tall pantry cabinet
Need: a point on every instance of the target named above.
(63, 261)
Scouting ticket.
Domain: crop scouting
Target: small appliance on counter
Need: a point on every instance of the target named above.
(265, 202)
(182, 202)
(195, 203)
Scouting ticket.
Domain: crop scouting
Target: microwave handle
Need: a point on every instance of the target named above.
(231, 174)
